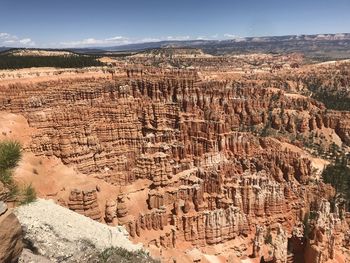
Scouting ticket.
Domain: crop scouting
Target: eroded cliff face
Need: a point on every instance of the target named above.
(329, 232)
(191, 160)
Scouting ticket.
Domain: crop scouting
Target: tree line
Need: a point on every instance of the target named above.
(338, 175)
(71, 61)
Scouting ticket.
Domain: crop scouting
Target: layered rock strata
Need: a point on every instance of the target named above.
(192, 158)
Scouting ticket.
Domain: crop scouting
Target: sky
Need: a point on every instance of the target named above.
(87, 23)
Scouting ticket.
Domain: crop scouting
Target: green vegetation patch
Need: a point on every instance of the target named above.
(338, 175)
(71, 61)
(333, 101)
(117, 254)
(10, 155)
(28, 195)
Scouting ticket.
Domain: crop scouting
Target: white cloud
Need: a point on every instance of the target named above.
(212, 37)
(25, 41)
(4, 35)
(117, 40)
(122, 40)
(150, 39)
(7, 39)
(230, 35)
(178, 37)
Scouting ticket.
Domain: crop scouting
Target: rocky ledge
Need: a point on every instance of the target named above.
(61, 235)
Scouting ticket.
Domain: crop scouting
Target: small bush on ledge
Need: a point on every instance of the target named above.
(28, 195)
(118, 254)
(10, 155)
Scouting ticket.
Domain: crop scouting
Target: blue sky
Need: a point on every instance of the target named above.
(73, 23)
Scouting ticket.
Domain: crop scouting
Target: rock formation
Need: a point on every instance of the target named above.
(259, 241)
(327, 232)
(200, 155)
(60, 234)
(11, 236)
(85, 202)
(280, 244)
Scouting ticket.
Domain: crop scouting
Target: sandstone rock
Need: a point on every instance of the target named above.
(58, 233)
(121, 207)
(3, 208)
(324, 235)
(186, 144)
(85, 202)
(111, 211)
(28, 256)
(280, 245)
(11, 238)
(258, 241)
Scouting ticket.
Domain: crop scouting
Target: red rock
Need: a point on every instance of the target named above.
(11, 236)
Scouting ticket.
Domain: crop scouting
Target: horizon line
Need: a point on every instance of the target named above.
(86, 46)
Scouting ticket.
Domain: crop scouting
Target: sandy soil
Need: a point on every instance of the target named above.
(15, 127)
(48, 175)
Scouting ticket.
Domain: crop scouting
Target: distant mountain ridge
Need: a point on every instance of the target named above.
(320, 46)
(198, 43)
(4, 49)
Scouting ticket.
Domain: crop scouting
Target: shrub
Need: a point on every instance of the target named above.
(29, 195)
(10, 154)
(6, 177)
(118, 254)
(13, 191)
(338, 175)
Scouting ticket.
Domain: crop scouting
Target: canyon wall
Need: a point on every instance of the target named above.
(201, 149)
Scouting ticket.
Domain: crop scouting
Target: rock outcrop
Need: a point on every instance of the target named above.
(85, 202)
(280, 245)
(259, 241)
(60, 234)
(197, 156)
(328, 231)
(11, 236)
